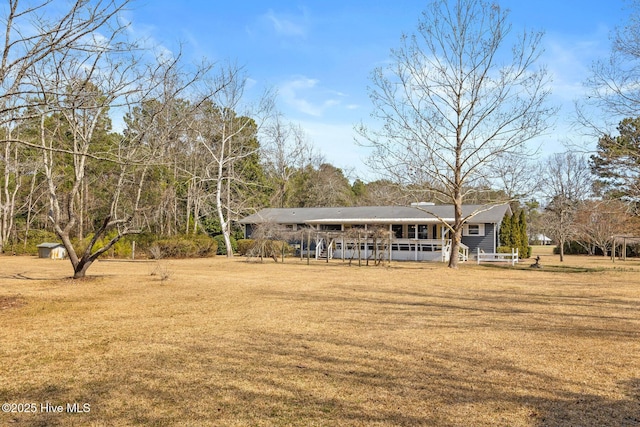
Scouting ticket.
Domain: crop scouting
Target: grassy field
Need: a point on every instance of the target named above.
(230, 343)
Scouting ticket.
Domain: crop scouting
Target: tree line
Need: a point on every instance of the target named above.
(102, 137)
(192, 152)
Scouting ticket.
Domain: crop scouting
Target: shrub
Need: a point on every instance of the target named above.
(571, 248)
(244, 246)
(144, 241)
(122, 248)
(199, 246)
(222, 248)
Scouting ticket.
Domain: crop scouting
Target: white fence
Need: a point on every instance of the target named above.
(498, 257)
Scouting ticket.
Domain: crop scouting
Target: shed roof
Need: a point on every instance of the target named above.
(376, 214)
(49, 245)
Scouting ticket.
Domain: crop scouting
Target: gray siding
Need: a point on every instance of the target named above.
(485, 243)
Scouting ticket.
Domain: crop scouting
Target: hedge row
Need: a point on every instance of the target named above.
(146, 244)
(199, 246)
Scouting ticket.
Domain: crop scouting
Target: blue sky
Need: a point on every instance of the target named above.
(318, 55)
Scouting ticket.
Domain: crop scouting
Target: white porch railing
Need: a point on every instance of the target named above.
(397, 249)
(463, 252)
(319, 247)
(323, 249)
(511, 258)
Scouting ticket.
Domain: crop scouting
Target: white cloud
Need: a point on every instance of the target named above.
(306, 96)
(287, 25)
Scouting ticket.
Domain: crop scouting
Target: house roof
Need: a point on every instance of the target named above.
(376, 214)
(542, 238)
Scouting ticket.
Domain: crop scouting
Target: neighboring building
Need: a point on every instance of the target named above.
(52, 250)
(540, 239)
(418, 232)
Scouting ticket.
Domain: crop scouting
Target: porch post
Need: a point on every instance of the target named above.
(415, 236)
(366, 244)
(391, 235)
(308, 246)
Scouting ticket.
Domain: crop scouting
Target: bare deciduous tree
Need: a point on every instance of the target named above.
(613, 83)
(286, 151)
(38, 30)
(456, 98)
(227, 129)
(80, 87)
(77, 86)
(566, 183)
(33, 32)
(598, 221)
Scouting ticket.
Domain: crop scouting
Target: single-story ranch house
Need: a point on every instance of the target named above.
(415, 233)
(52, 250)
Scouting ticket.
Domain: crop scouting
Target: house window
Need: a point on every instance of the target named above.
(411, 231)
(423, 232)
(331, 227)
(397, 231)
(474, 230)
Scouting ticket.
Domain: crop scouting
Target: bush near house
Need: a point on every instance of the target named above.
(244, 246)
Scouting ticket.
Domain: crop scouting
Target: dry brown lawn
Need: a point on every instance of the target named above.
(230, 343)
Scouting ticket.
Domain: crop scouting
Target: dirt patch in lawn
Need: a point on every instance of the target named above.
(11, 302)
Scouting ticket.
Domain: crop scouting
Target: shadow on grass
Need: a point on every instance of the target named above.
(549, 268)
(589, 410)
(380, 357)
(569, 315)
(278, 379)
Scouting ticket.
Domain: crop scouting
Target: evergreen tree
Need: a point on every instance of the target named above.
(506, 231)
(617, 162)
(524, 248)
(513, 234)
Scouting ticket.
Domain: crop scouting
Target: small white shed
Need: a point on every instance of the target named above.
(52, 250)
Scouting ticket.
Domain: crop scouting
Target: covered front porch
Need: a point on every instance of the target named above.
(411, 233)
(382, 243)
